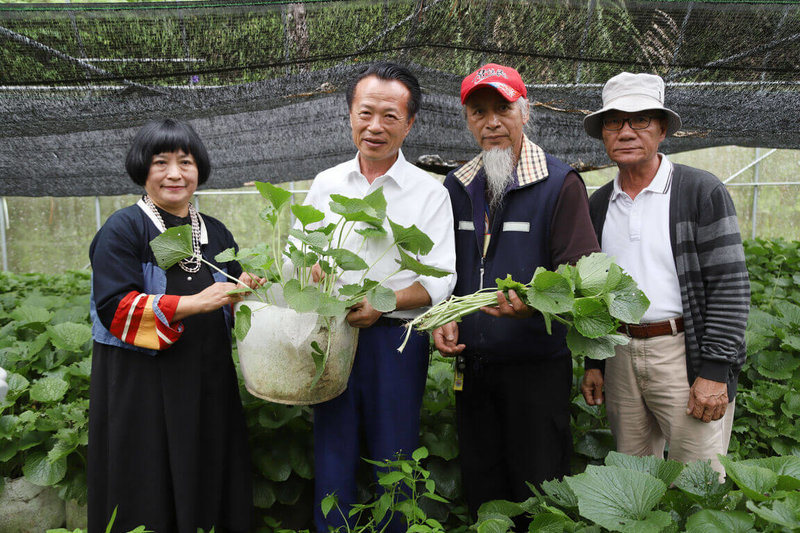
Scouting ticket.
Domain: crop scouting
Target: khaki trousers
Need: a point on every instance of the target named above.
(647, 391)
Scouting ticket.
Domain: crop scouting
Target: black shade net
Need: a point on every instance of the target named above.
(263, 82)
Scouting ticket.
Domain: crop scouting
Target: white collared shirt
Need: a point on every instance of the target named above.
(412, 197)
(636, 235)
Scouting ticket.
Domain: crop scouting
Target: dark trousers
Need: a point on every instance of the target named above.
(513, 427)
(381, 405)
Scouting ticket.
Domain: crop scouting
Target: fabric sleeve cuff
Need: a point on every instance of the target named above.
(438, 288)
(168, 304)
(715, 371)
(589, 363)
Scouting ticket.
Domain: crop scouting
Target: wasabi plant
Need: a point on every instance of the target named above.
(288, 269)
(591, 298)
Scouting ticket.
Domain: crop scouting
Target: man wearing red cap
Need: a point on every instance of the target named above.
(515, 208)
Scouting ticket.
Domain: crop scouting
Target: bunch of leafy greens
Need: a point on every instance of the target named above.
(591, 298)
(45, 346)
(309, 246)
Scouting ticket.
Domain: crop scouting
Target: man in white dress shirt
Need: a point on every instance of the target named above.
(381, 406)
(673, 228)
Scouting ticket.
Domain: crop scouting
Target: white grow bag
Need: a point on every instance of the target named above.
(275, 356)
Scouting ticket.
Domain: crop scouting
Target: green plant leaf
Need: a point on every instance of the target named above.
(419, 454)
(331, 306)
(501, 507)
(273, 464)
(442, 442)
(550, 292)
(241, 325)
(560, 493)
(777, 365)
(390, 478)
(371, 232)
(507, 284)
(377, 202)
(172, 245)
(301, 299)
(599, 348)
(620, 499)
(329, 502)
(411, 238)
(320, 358)
(263, 493)
(307, 214)
(315, 239)
(789, 312)
(592, 273)
(70, 336)
(49, 389)
(274, 416)
(40, 471)
(226, 256)
(382, 299)
(786, 468)
(409, 263)
(550, 523)
(784, 512)
(591, 318)
(493, 523)
(614, 278)
(713, 521)
(626, 302)
(701, 481)
(665, 470)
(756, 482)
(276, 196)
(355, 210)
(28, 314)
(791, 404)
(347, 260)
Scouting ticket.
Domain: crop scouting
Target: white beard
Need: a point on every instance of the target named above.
(499, 166)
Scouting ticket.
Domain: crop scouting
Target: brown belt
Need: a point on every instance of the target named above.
(652, 329)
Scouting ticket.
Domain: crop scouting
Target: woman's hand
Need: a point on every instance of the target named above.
(251, 280)
(209, 299)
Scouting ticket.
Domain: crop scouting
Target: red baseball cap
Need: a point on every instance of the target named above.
(504, 79)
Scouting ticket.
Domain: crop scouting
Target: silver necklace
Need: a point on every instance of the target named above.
(190, 264)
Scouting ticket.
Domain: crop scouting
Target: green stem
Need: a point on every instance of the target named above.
(231, 278)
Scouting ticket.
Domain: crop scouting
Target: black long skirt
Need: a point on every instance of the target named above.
(167, 435)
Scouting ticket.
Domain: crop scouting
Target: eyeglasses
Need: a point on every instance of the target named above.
(636, 122)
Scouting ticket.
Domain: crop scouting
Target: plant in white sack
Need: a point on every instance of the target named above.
(314, 244)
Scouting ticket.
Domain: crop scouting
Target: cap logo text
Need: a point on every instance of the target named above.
(484, 73)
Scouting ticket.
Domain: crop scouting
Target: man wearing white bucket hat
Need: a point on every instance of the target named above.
(674, 229)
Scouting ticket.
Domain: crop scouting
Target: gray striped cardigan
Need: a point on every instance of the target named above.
(709, 258)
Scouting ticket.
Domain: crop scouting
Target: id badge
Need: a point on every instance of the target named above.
(458, 375)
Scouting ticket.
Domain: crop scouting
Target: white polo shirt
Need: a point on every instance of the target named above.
(636, 235)
(412, 197)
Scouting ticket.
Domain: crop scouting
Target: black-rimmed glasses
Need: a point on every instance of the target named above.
(636, 122)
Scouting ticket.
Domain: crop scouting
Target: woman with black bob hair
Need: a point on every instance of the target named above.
(167, 436)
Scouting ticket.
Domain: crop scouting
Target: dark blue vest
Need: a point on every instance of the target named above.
(521, 229)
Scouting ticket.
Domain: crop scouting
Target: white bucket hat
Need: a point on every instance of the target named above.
(631, 93)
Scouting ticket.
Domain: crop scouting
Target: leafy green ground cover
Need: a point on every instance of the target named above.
(45, 345)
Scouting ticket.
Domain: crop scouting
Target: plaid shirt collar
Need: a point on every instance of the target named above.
(531, 167)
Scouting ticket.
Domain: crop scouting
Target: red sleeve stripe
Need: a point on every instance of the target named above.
(142, 321)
